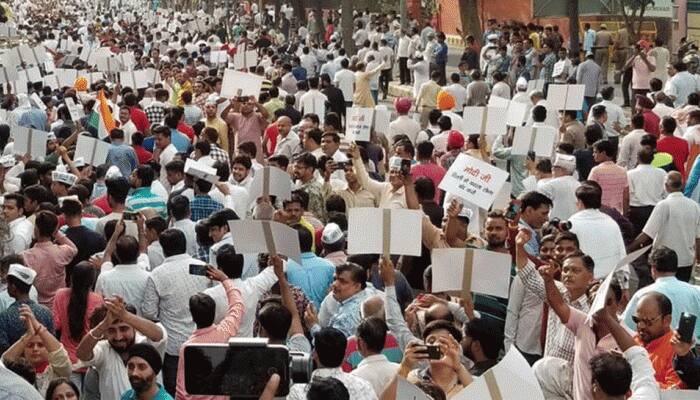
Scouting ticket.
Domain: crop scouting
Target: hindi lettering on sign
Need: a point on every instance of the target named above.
(474, 180)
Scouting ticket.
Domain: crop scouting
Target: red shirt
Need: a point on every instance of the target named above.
(142, 154)
(140, 120)
(102, 203)
(651, 123)
(431, 171)
(186, 129)
(271, 133)
(676, 147)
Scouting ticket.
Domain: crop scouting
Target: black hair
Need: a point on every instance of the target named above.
(612, 373)
(145, 174)
(425, 188)
(82, 280)
(276, 320)
(46, 223)
(203, 310)
(54, 384)
(590, 194)
(179, 207)
(127, 249)
(173, 242)
(489, 337)
(230, 262)
(534, 200)
(220, 218)
(327, 388)
(664, 259)
(372, 331)
(442, 324)
(585, 259)
(330, 346)
(605, 146)
(357, 273)
(117, 189)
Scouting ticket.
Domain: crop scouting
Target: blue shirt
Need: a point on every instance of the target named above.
(588, 40)
(202, 206)
(161, 395)
(34, 118)
(346, 314)
(180, 141)
(299, 73)
(441, 54)
(684, 298)
(533, 246)
(314, 276)
(12, 328)
(145, 198)
(124, 157)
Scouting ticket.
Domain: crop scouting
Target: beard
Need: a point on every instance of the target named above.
(139, 385)
(495, 242)
(121, 346)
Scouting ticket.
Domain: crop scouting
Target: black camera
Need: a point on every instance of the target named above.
(241, 368)
(563, 226)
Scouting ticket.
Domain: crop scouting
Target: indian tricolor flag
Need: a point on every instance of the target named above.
(101, 117)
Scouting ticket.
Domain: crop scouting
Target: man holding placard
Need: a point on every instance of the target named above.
(249, 124)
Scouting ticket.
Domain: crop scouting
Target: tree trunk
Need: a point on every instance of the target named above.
(572, 8)
(346, 26)
(469, 16)
(403, 9)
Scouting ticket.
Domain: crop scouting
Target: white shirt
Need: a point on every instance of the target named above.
(358, 388)
(404, 125)
(345, 81)
(155, 255)
(309, 62)
(167, 297)
(615, 114)
(630, 146)
(680, 86)
(166, 156)
(459, 92)
(186, 225)
(599, 236)
(250, 261)
(22, 232)
(312, 97)
(561, 191)
(125, 280)
(359, 37)
(402, 50)
(385, 52)
(252, 290)
(675, 223)
(439, 142)
(237, 200)
(114, 380)
(523, 319)
(646, 185)
(287, 145)
(501, 89)
(377, 370)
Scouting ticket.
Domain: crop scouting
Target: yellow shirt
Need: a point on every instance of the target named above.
(221, 127)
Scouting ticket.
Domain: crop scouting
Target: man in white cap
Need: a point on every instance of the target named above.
(562, 188)
(333, 240)
(19, 283)
(489, 50)
(61, 181)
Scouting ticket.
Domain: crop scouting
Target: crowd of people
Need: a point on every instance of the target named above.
(98, 296)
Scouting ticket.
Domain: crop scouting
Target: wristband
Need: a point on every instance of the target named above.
(90, 332)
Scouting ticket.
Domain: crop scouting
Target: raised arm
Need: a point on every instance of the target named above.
(554, 298)
(232, 322)
(394, 318)
(296, 327)
(147, 328)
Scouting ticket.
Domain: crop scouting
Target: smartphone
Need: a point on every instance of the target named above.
(130, 216)
(433, 352)
(686, 327)
(239, 371)
(405, 167)
(513, 210)
(198, 269)
(340, 165)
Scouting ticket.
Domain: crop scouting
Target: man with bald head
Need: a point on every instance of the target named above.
(674, 223)
(654, 333)
(287, 141)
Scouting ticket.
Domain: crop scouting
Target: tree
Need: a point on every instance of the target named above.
(470, 19)
(633, 13)
(346, 25)
(572, 8)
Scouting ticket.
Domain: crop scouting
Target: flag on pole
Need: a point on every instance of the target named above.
(101, 118)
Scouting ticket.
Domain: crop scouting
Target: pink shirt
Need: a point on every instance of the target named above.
(585, 347)
(613, 180)
(218, 333)
(60, 318)
(641, 75)
(248, 129)
(431, 171)
(49, 260)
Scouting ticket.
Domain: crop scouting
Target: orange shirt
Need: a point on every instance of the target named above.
(661, 355)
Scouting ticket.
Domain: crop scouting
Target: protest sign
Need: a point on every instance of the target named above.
(396, 231)
(33, 55)
(474, 180)
(535, 84)
(34, 98)
(678, 395)
(502, 199)
(76, 112)
(32, 74)
(405, 390)
(599, 301)
(218, 57)
(382, 119)
(484, 120)
(510, 379)
(517, 113)
(108, 64)
(359, 123)
(30, 141)
(134, 79)
(237, 83)
(245, 59)
(531, 138)
(8, 74)
(270, 237)
(92, 150)
(201, 171)
(565, 97)
(66, 77)
(458, 271)
(270, 181)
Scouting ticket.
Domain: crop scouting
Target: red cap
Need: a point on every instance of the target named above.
(455, 140)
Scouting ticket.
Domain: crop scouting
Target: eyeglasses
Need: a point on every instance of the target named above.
(645, 321)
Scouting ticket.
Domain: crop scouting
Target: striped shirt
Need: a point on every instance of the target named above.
(145, 198)
(202, 206)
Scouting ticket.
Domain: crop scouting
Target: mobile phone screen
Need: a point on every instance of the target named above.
(198, 269)
(236, 371)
